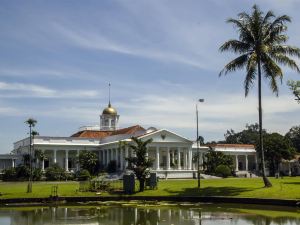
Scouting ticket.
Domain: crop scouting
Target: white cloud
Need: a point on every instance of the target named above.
(94, 41)
(21, 90)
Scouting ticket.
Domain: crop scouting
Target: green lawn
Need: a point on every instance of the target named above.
(286, 188)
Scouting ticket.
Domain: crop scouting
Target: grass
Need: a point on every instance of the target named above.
(286, 188)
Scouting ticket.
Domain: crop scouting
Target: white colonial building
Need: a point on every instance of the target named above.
(173, 153)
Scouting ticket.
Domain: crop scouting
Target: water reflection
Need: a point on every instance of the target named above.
(138, 215)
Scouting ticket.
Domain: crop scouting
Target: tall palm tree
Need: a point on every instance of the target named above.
(261, 47)
(31, 123)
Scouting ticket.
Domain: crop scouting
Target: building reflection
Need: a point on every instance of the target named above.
(118, 215)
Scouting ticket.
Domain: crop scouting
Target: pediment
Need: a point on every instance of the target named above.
(165, 136)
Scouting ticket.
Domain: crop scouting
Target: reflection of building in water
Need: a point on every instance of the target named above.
(117, 215)
(103, 215)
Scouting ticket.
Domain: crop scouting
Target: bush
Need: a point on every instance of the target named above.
(55, 172)
(37, 174)
(9, 174)
(84, 175)
(22, 172)
(223, 171)
(112, 166)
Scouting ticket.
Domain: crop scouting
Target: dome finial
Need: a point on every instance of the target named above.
(109, 105)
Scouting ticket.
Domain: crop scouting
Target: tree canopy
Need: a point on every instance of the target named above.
(88, 161)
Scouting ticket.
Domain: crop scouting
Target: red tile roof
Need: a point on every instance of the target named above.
(102, 134)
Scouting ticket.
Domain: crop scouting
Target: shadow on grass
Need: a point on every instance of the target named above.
(297, 183)
(210, 191)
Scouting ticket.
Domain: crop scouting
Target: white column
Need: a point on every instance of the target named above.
(116, 156)
(78, 165)
(200, 161)
(43, 160)
(185, 159)
(190, 159)
(67, 160)
(126, 156)
(178, 158)
(168, 158)
(12, 163)
(107, 156)
(54, 156)
(109, 123)
(246, 157)
(236, 163)
(256, 163)
(147, 153)
(121, 159)
(157, 158)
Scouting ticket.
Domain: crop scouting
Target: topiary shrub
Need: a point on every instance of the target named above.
(223, 171)
(9, 174)
(55, 172)
(83, 175)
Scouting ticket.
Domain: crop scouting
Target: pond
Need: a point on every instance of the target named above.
(138, 213)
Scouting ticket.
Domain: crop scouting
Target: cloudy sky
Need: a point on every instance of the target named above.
(57, 58)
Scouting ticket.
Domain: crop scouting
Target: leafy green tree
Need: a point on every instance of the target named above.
(261, 47)
(88, 161)
(214, 159)
(277, 147)
(294, 136)
(140, 164)
(295, 88)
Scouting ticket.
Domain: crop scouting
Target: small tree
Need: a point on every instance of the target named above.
(31, 123)
(295, 88)
(88, 161)
(215, 159)
(140, 164)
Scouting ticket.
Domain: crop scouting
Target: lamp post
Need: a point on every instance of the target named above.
(197, 140)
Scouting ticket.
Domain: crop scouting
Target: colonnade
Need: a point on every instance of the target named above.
(246, 168)
(182, 155)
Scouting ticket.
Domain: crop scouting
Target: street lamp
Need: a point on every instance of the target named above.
(197, 139)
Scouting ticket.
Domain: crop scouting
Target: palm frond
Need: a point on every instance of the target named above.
(251, 73)
(235, 46)
(283, 59)
(271, 71)
(235, 64)
(245, 33)
(285, 49)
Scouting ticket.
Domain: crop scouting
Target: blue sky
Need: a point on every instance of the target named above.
(57, 58)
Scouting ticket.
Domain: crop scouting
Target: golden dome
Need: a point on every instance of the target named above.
(109, 110)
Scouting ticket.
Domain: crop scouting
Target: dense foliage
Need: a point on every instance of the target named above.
(277, 148)
(223, 171)
(215, 159)
(21, 173)
(55, 172)
(88, 161)
(294, 136)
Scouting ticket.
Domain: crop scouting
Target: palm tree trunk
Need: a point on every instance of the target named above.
(261, 148)
(142, 184)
